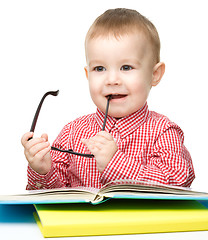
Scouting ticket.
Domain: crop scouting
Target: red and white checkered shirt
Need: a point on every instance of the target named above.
(150, 148)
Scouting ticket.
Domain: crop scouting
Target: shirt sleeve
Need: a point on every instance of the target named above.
(169, 162)
(57, 176)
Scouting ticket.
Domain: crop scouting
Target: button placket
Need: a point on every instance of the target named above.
(115, 133)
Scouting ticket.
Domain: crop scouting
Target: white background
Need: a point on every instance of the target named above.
(42, 49)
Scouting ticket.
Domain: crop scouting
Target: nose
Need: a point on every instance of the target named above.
(113, 78)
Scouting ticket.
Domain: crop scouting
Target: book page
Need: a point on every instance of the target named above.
(78, 194)
(139, 187)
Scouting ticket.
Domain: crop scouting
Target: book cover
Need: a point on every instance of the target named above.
(121, 216)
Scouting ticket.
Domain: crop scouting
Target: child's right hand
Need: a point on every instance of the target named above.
(37, 152)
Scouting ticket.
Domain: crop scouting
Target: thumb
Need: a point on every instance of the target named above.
(44, 135)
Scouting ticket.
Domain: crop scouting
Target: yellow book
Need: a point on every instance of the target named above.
(121, 216)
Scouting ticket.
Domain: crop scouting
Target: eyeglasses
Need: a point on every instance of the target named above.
(70, 151)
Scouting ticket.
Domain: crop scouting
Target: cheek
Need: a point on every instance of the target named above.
(94, 81)
(95, 90)
(140, 88)
(92, 84)
(92, 90)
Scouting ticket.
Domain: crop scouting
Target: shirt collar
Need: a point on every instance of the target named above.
(125, 125)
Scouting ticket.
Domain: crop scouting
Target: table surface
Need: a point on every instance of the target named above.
(31, 231)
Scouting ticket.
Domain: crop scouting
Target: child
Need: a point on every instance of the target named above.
(123, 61)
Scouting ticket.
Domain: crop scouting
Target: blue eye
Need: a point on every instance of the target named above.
(126, 68)
(99, 69)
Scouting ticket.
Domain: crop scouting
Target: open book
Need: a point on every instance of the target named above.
(122, 189)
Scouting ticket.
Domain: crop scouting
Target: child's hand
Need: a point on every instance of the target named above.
(37, 152)
(103, 147)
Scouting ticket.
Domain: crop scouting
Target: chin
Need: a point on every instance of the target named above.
(117, 115)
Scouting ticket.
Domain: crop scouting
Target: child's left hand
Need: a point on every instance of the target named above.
(103, 147)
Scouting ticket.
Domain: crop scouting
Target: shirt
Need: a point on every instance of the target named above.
(150, 148)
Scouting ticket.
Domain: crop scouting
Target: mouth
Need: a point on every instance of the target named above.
(116, 96)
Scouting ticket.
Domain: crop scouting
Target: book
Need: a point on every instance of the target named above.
(126, 189)
(121, 216)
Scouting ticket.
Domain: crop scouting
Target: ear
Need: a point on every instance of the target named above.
(86, 72)
(158, 71)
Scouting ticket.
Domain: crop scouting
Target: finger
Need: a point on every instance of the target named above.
(90, 143)
(33, 142)
(84, 141)
(45, 136)
(41, 154)
(105, 135)
(95, 144)
(99, 139)
(96, 141)
(102, 139)
(37, 148)
(25, 138)
(92, 147)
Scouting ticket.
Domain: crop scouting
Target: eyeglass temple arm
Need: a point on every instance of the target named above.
(106, 112)
(72, 152)
(53, 93)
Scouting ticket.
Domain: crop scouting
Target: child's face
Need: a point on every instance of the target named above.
(122, 68)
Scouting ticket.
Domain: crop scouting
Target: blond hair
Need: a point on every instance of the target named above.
(120, 21)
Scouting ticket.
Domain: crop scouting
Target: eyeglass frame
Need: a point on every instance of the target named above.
(70, 151)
